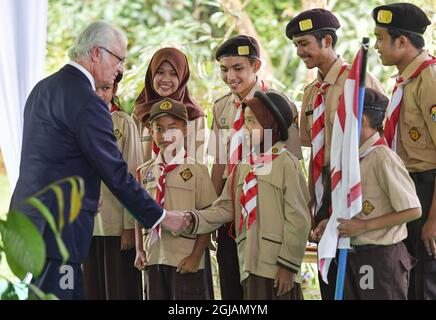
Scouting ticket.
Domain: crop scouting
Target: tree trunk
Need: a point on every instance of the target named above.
(240, 20)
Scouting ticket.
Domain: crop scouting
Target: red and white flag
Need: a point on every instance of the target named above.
(344, 168)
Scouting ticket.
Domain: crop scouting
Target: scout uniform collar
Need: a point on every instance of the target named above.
(178, 159)
(414, 65)
(368, 143)
(333, 73)
(258, 86)
(276, 149)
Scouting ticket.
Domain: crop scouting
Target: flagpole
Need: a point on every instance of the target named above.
(343, 253)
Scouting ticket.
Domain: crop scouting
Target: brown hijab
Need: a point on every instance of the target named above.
(149, 96)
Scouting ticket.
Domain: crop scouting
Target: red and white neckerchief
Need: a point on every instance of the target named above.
(318, 139)
(113, 108)
(379, 142)
(248, 194)
(393, 111)
(154, 150)
(235, 152)
(164, 169)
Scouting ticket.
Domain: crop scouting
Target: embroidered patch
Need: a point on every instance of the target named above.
(222, 121)
(384, 16)
(275, 150)
(309, 110)
(117, 134)
(243, 50)
(433, 113)
(305, 24)
(147, 180)
(367, 207)
(166, 105)
(414, 134)
(186, 174)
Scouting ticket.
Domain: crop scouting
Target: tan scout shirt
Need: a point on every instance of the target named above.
(113, 218)
(386, 187)
(331, 102)
(417, 121)
(279, 234)
(224, 113)
(187, 186)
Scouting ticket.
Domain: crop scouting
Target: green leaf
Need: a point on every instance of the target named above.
(76, 198)
(23, 245)
(39, 294)
(51, 222)
(60, 198)
(9, 293)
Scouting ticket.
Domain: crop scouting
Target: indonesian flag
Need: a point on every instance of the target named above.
(344, 168)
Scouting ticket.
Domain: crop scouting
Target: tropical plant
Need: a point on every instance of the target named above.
(23, 245)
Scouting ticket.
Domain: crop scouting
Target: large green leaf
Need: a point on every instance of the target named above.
(51, 222)
(60, 198)
(77, 193)
(23, 245)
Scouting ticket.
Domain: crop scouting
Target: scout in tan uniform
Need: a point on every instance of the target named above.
(109, 273)
(266, 197)
(174, 265)
(239, 63)
(411, 127)
(313, 32)
(389, 201)
(167, 76)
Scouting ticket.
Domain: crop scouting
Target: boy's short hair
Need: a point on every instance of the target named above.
(169, 107)
(374, 107)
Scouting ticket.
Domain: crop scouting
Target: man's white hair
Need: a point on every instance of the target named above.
(100, 34)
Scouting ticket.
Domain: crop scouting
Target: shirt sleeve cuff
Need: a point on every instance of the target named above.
(164, 214)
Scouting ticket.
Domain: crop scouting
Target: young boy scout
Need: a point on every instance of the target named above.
(174, 265)
(389, 201)
(313, 32)
(411, 127)
(239, 62)
(108, 272)
(267, 202)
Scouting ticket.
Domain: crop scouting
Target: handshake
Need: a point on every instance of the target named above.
(177, 221)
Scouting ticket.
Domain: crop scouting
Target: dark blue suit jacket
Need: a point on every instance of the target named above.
(68, 131)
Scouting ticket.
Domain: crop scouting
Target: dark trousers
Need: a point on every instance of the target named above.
(164, 283)
(208, 275)
(228, 264)
(423, 276)
(261, 288)
(109, 273)
(64, 281)
(378, 272)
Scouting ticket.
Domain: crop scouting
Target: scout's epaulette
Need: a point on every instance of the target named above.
(310, 85)
(222, 97)
(142, 166)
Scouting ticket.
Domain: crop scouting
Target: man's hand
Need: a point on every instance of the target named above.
(127, 239)
(316, 234)
(284, 281)
(176, 221)
(190, 264)
(140, 260)
(428, 236)
(351, 228)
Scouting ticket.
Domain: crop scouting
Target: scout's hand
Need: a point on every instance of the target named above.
(175, 221)
(140, 260)
(350, 228)
(319, 230)
(428, 236)
(190, 264)
(127, 239)
(284, 281)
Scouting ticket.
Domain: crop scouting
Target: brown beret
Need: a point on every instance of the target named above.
(375, 100)
(168, 106)
(244, 46)
(401, 16)
(310, 21)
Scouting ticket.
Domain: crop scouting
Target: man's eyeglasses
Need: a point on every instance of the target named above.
(120, 60)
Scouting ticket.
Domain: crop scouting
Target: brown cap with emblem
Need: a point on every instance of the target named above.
(401, 16)
(310, 21)
(375, 100)
(168, 106)
(244, 46)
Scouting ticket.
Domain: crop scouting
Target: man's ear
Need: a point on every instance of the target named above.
(257, 64)
(95, 53)
(403, 41)
(365, 121)
(328, 41)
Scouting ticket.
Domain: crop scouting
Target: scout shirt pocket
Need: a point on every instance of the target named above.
(415, 133)
(270, 244)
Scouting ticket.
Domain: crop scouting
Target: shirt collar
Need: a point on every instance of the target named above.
(85, 72)
(257, 87)
(368, 143)
(415, 64)
(333, 74)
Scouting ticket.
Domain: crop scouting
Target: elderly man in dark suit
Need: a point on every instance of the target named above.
(68, 131)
